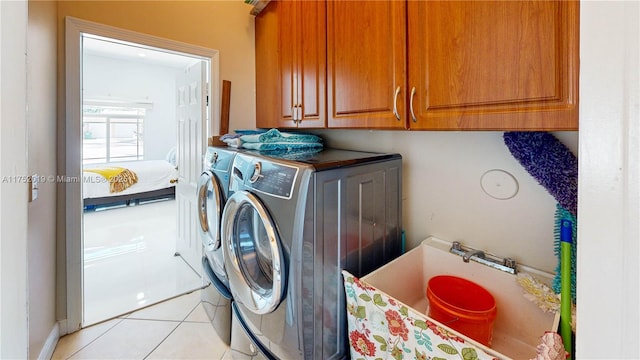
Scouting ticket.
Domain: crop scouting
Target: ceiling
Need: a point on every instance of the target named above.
(116, 49)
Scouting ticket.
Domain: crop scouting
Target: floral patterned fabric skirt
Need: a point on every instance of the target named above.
(381, 327)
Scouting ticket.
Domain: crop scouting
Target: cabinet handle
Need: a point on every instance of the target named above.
(395, 103)
(413, 115)
(299, 113)
(295, 114)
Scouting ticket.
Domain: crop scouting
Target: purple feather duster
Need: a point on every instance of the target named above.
(549, 162)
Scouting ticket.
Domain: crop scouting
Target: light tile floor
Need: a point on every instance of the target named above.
(174, 329)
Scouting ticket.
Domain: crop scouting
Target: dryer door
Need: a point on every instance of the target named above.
(210, 205)
(252, 253)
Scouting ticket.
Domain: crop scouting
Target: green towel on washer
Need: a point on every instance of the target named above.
(286, 146)
(275, 136)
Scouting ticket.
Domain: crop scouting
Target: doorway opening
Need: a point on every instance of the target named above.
(138, 113)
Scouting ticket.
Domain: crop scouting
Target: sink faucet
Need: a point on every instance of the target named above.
(506, 264)
(467, 255)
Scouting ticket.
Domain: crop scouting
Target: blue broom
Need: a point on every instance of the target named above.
(566, 234)
(563, 214)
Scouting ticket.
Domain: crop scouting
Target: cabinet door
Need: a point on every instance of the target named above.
(366, 85)
(291, 65)
(493, 65)
(311, 70)
(268, 72)
(288, 48)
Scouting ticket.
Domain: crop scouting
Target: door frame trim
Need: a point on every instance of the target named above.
(71, 130)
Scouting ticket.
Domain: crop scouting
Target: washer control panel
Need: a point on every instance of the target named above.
(263, 176)
(273, 179)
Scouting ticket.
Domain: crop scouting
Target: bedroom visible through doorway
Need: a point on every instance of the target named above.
(129, 131)
(137, 164)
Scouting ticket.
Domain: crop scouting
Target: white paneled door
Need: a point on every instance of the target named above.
(191, 106)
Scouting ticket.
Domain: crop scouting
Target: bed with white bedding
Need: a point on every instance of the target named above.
(153, 179)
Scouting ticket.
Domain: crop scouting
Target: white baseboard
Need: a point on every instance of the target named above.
(50, 345)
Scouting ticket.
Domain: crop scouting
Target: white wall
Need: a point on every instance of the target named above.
(608, 316)
(41, 119)
(115, 78)
(13, 192)
(442, 195)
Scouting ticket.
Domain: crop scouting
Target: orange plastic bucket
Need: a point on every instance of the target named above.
(463, 306)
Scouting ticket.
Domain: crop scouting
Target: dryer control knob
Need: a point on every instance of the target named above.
(257, 172)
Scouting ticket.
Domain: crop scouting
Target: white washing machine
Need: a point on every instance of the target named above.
(289, 229)
(213, 191)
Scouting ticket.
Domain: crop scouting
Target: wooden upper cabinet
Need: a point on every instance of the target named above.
(291, 65)
(366, 64)
(268, 91)
(424, 65)
(493, 65)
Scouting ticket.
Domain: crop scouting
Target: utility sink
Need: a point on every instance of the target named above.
(519, 324)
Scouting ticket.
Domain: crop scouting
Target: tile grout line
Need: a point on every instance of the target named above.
(172, 331)
(163, 340)
(92, 341)
(121, 319)
(191, 312)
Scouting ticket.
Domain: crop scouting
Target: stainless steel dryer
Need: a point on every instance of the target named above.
(288, 230)
(213, 191)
